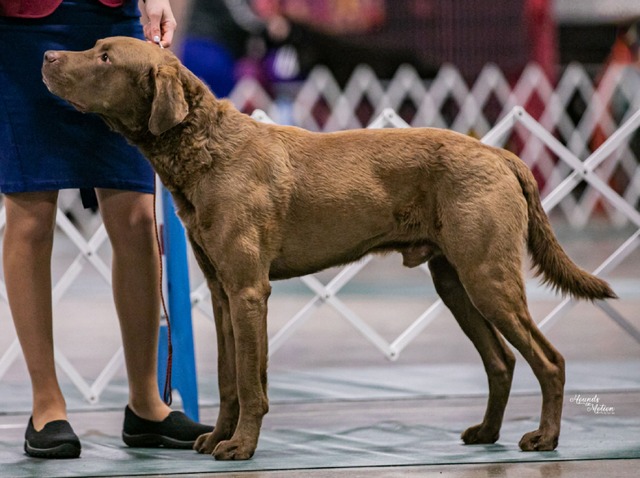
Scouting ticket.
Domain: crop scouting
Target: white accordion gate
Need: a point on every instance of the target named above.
(555, 144)
(328, 294)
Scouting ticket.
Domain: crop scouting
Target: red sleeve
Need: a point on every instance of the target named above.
(112, 3)
(28, 8)
(39, 8)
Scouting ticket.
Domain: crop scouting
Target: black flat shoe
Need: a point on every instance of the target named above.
(56, 440)
(175, 431)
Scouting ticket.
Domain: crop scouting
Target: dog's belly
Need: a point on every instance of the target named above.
(412, 256)
(316, 238)
(322, 232)
(297, 260)
(285, 267)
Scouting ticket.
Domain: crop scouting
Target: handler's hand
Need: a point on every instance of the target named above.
(161, 22)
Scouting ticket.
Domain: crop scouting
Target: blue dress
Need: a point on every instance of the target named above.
(45, 144)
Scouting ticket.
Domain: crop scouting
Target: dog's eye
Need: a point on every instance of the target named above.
(105, 57)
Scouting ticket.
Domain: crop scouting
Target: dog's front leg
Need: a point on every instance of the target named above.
(229, 406)
(248, 307)
(227, 382)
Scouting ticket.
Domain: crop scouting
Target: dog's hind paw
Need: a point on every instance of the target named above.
(479, 434)
(538, 441)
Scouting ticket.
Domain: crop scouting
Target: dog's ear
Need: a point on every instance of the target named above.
(169, 107)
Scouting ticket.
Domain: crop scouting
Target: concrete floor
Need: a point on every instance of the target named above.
(389, 298)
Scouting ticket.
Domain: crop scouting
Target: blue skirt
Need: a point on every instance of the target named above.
(45, 144)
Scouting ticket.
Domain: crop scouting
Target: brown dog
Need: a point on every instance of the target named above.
(264, 202)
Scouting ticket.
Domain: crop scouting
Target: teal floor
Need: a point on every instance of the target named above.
(352, 418)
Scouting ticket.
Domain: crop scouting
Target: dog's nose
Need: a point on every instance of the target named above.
(51, 56)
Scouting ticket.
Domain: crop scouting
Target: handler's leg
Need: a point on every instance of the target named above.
(128, 218)
(149, 422)
(28, 242)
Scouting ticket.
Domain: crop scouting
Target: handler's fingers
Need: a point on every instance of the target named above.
(161, 24)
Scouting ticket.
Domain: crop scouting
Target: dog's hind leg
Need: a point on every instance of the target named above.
(496, 356)
(496, 288)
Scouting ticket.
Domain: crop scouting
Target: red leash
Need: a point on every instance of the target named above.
(166, 394)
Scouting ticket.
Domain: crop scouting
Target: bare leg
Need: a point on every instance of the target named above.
(28, 242)
(128, 218)
(497, 358)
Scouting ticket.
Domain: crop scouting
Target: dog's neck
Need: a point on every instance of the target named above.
(209, 134)
(181, 154)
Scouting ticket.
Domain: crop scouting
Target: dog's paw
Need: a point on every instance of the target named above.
(538, 441)
(233, 450)
(479, 434)
(206, 443)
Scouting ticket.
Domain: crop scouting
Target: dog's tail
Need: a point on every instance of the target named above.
(550, 260)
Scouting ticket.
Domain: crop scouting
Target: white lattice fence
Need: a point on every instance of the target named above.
(579, 171)
(576, 111)
(561, 145)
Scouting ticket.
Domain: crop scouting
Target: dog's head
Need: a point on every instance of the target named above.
(134, 85)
